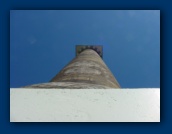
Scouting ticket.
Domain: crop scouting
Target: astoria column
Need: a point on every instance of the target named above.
(86, 70)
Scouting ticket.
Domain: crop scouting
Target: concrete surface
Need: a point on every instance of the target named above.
(86, 105)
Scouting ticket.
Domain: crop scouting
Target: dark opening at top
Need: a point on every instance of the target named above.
(97, 48)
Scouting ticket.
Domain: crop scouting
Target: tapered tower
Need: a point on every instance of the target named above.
(86, 70)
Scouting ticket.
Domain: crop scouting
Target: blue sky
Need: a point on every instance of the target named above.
(42, 42)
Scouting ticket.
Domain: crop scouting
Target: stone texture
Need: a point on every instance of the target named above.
(67, 85)
(87, 70)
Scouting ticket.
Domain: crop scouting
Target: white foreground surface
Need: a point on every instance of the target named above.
(84, 105)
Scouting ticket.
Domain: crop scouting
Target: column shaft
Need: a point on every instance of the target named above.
(88, 68)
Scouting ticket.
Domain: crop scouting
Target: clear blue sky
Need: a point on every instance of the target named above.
(42, 42)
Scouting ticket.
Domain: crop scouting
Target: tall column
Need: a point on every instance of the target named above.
(86, 70)
(89, 68)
